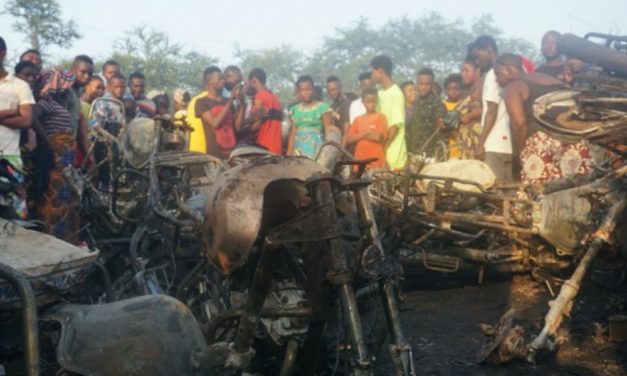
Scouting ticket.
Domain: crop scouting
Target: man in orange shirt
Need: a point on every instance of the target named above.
(368, 131)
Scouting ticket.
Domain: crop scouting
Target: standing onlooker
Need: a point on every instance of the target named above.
(542, 157)
(453, 89)
(110, 68)
(268, 129)
(357, 107)
(554, 64)
(83, 70)
(339, 104)
(232, 77)
(469, 128)
(16, 113)
(146, 108)
(310, 119)
(34, 57)
(392, 105)
(368, 131)
(495, 141)
(94, 89)
(34, 147)
(409, 91)
(428, 116)
(219, 119)
(161, 101)
(27, 71)
(58, 207)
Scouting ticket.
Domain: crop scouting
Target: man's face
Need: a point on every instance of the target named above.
(424, 85)
(484, 57)
(452, 91)
(366, 83)
(216, 81)
(549, 46)
(110, 71)
(137, 87)
(376, 74)
(231, 79)
(33, 58)
(251, 88)
(334, 90)
(116, 87)
(83, 72)
(504, 74)
(29, 75)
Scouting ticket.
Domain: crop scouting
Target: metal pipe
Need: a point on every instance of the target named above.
(402, 351)
(289, 362)
(259, 289)
(189, 278)
(106, 281)
(337, 265)
(562, 305)
(29, 317)
(591, 52)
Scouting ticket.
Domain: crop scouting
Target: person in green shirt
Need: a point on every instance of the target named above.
(392, 105)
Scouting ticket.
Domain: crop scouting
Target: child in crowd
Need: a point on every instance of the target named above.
(94, 89)
(368, 131)
(453, 88)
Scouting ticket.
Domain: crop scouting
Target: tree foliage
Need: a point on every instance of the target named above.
(428, 41)
(42, 22)
(166, 65)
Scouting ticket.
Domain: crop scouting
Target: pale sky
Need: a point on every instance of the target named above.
(216, 27)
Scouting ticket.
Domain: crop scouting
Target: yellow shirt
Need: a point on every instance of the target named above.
(450, 106)
(197, 141)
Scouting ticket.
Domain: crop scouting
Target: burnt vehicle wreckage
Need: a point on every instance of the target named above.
(197, 266)
(260, 265)
(451, 216)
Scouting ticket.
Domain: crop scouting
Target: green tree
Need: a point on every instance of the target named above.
(166, 65)
(42, 21)
(428, 41)
(282, 64)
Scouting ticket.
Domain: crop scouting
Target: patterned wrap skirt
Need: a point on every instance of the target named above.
(58, 207)
(544, 159)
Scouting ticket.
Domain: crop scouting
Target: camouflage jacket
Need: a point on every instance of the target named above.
(427, 111)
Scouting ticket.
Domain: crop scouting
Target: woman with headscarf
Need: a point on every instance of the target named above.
(58, 207)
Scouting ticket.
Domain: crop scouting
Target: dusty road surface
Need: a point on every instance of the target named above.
(442, 316)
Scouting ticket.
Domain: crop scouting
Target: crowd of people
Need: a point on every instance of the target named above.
(484, 113)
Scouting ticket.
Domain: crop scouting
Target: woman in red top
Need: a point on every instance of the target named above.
(368, 132)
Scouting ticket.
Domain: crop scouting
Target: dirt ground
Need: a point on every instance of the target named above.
(441, 317)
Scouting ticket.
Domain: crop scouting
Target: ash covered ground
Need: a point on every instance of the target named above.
(441, 316)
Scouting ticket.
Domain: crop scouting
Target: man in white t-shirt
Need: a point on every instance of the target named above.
(357, 107)
(16, 111)
(495, 141)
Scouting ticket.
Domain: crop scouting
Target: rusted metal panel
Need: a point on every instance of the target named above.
(147, 335)
(48, 263)
(234, 210)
